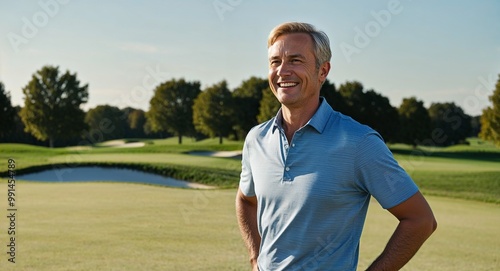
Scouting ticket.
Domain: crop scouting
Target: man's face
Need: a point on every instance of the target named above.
(293, 76)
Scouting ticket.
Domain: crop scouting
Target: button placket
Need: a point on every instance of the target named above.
(287, 177)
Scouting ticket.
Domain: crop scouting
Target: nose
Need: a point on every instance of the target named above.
(283, 70)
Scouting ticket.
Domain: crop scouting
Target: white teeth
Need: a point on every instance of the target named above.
(285, 85)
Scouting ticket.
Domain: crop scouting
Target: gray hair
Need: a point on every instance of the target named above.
(321, 43)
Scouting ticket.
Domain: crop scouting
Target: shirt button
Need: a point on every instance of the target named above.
(293, 145)
(287, 169)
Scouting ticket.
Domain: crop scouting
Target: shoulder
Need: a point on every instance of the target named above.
(350, 129)
(335, 122)
(262, 129)
(256, 137)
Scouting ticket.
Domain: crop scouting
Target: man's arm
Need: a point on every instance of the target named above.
(246, 213)
(416, 224)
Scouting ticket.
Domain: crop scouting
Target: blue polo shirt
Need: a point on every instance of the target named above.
(313, 193)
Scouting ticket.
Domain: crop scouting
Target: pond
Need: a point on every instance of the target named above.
(93, 174)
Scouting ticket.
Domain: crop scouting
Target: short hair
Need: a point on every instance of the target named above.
(321, 43)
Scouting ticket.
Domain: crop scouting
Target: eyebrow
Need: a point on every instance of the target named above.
(288, 56)
(296, 56)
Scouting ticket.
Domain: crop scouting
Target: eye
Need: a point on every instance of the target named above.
(295, 61)
(275, 63)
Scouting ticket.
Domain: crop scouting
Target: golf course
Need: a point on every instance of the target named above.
(113, 225)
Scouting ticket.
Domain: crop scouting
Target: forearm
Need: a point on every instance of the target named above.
(246, 213)
(403, 245)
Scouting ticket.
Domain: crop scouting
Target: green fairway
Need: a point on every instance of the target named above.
(464, 171)
(116, 226)
(119, 226)
(151, 158)
(466, 238)
(468, 172)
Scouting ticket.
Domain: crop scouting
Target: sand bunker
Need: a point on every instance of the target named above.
(225, 154)
(90, 174)
(110, 144)
(122, 144)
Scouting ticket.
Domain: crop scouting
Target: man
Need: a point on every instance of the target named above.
(308, 174)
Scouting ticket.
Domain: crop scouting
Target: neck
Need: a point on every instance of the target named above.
(295, 118)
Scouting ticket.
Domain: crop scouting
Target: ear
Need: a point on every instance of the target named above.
(324, 69)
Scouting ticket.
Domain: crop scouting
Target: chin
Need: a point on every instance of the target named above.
(285, 99)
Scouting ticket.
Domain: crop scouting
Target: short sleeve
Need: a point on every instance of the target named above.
(246, 179)
(380, 174)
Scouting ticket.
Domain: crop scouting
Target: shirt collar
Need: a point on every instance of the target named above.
(278, 119)
(318, 120)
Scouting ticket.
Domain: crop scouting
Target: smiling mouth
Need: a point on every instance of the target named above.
(287, 84)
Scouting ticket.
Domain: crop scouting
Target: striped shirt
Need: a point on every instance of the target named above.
(313, 193)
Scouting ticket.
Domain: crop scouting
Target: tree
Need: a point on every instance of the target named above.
(490, 119)
(381, 115)
(414, 122)
(52, 105)
(212, 111)
(449, 124)
(106, 122)
(369, 108)
(352, 94)
(333, 96)
(475, 126)
(246, 99)
(7, 112)
(268, 106)
(18, 133)
(136, 119)
(171, 108)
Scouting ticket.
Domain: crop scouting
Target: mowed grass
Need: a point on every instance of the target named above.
(468, 172)
(117, 226)
(467, 237)
(28, 156)
(462, 171)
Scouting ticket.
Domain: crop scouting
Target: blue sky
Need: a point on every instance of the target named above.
(437, 51)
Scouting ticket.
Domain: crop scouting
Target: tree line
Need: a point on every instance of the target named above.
(52, 113)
